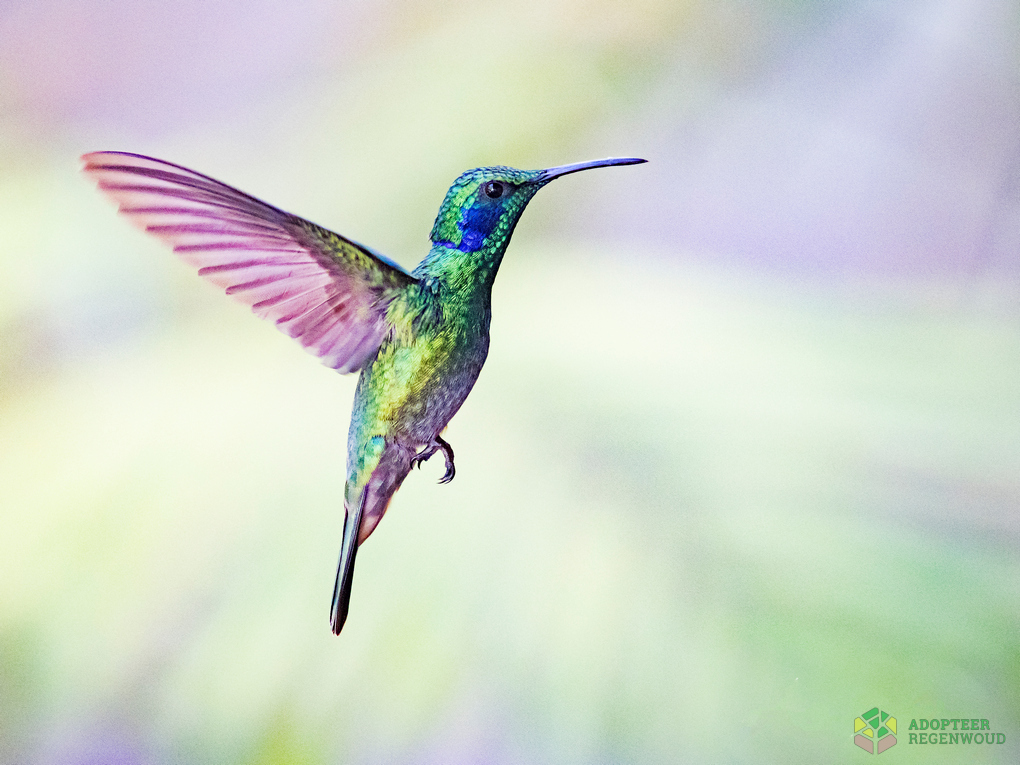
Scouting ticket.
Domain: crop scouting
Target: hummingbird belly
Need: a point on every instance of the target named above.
(410, 392)
(404, 400)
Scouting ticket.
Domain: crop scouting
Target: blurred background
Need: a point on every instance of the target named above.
(744, 461)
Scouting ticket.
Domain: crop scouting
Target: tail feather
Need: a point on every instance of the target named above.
(365, 502)
(345, 567)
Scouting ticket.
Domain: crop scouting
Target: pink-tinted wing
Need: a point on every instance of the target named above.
(328, 292)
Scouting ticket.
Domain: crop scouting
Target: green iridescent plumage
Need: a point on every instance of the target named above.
(420, 339)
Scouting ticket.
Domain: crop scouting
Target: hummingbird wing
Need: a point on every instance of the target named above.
(324, 290)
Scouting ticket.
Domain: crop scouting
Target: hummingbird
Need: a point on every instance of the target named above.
(419, 339)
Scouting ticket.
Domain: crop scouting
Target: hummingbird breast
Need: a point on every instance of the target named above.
(419, 380)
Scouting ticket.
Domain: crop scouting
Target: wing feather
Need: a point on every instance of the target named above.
(328, 292)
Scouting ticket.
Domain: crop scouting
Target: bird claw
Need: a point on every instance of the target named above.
(435, 446)
(423, 456)
(448, 455)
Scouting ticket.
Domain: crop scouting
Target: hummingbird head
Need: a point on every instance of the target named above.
(483, 205)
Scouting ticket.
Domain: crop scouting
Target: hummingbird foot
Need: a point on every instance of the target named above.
(431, 449)
(451, 471)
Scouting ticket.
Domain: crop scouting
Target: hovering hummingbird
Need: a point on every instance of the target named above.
(419, 338)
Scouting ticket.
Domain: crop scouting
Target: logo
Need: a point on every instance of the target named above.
(873, 731)
(964, 730)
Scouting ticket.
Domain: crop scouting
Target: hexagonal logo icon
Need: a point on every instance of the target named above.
(874, 731)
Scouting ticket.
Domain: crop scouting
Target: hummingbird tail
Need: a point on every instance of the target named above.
(365, 502)
(345, 568)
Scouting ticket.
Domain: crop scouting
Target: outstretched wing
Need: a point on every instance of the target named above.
(329, 293)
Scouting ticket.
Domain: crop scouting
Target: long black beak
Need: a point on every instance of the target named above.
(555, 172)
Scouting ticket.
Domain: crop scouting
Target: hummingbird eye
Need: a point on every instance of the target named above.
(494, 189)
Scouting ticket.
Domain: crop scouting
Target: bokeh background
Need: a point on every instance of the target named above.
(744, 461)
